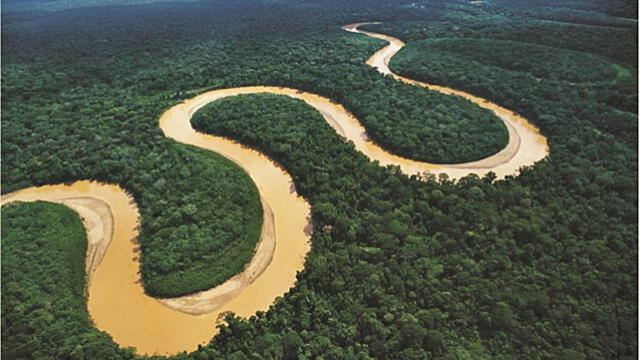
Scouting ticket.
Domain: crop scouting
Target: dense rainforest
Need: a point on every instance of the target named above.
(536, 266)
(605, 96)
(43, 286)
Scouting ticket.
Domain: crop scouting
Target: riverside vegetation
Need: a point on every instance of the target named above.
(538, 266)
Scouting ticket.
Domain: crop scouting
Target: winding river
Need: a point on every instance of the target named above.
(526, 145)
(117, 302)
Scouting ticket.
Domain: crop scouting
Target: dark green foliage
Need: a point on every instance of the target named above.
(327, 60)
(180, 190)
(577, 10)
(504, 72)
(196, 206)
(542, 266)
(615, 43)
(426, 125)
(497, 277)
(69, 116)
(558, 64)
(44, 311)
(183, 251)
(588, 17)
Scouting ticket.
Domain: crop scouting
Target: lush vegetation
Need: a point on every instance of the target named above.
(609, 42)
(580, 11)
(511, 290)
(606, 95)
(44, 311)
(60, 125)
(607, 101)
(559, 64)
(409, 121)
(107, 107)
(182, 250)
(539, 266)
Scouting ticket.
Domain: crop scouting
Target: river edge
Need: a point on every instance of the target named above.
(94, 202)
(526, 144)
(139, 323)
(96, 217)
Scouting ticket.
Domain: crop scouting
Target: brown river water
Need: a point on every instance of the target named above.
(117, 302)
(526, 145)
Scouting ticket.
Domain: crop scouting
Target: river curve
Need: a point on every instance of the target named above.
(117, 302)
(526, 145)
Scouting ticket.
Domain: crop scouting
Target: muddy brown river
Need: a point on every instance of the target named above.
(526, 145)
(117, 302)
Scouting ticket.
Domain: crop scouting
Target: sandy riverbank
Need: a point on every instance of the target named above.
(526, 145)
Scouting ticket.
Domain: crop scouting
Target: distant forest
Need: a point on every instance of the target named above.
(537, 266)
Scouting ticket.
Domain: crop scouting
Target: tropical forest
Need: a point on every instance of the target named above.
(319, 179)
